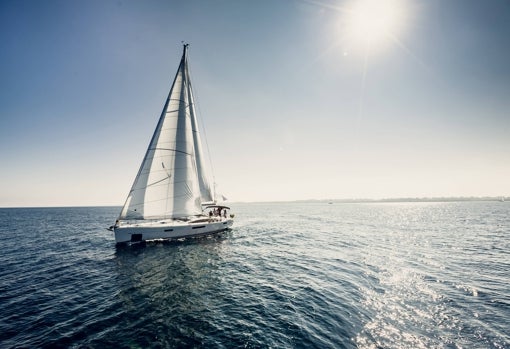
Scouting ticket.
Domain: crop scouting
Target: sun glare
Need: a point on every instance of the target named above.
(372, 22)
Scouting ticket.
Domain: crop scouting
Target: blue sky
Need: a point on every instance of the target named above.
(293, 107)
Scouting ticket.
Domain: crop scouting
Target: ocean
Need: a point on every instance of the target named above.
(288, 275)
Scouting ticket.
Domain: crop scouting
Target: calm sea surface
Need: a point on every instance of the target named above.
(296, 275)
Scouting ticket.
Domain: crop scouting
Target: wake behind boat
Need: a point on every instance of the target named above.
(172, 185)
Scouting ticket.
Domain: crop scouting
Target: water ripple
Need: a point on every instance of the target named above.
(420, 275)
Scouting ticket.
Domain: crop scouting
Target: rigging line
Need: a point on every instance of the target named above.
(141, 204)
(154, 183)
(178, 99)
(175, 150)
(181, 102)
(166, 172)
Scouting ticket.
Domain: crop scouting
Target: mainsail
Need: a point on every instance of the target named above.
(171, 181)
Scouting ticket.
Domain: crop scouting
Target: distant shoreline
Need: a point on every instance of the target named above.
(426, 199)
(326, 201)
(387, 200)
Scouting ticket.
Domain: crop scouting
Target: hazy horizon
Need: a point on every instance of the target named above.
(321, 200)
(299, 99)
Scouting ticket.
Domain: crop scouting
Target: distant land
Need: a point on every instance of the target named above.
(333, 201)
(422, 199)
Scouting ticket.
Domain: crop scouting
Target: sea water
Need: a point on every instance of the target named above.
(288, 275)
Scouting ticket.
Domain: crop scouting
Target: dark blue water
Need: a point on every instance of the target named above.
(409, 275)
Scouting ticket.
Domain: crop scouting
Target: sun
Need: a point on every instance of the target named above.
(372, 22)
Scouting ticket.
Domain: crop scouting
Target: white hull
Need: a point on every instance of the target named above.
(167, 230)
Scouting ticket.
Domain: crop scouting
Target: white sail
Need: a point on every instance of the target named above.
(206, 190)
(172, 184)
(167, 184)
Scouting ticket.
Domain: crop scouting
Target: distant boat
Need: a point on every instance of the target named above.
(172, 196)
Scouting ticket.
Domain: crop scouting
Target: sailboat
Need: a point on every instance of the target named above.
(172, 196)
